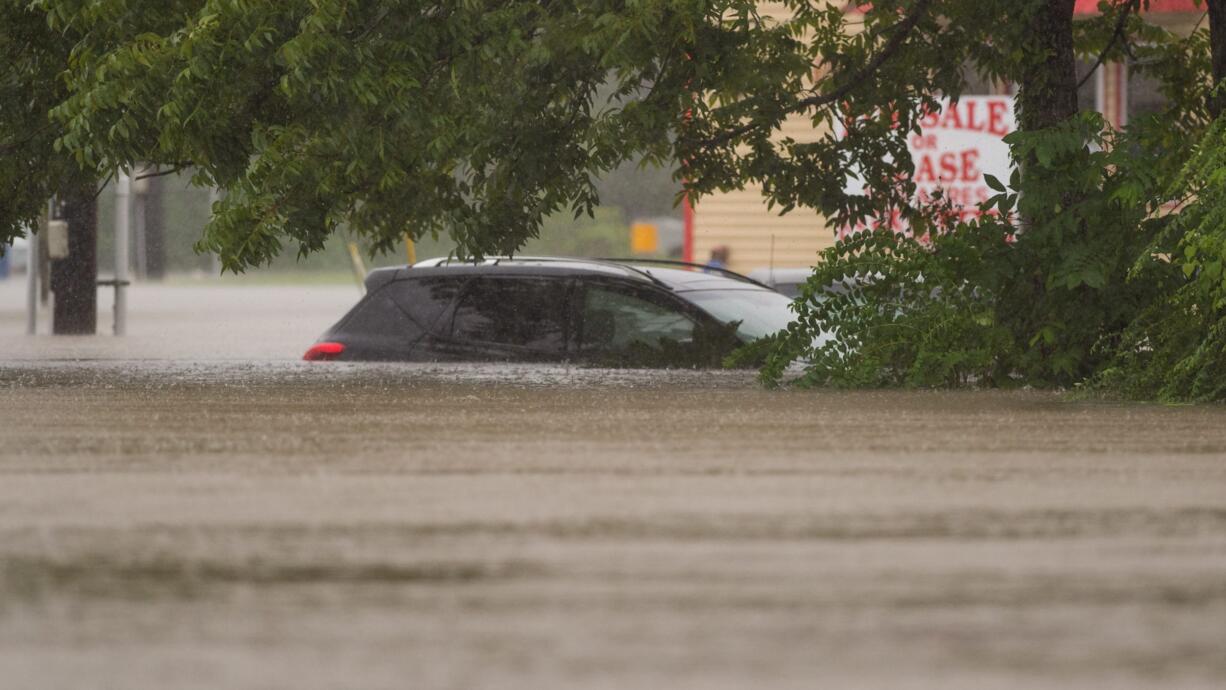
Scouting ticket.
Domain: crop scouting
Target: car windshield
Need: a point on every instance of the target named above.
(761, 312)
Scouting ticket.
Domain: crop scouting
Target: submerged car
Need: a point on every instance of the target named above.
(600, 312)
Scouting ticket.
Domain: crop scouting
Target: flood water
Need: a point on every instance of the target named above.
(190, 507)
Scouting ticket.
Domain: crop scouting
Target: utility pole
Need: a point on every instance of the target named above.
(155, 228)
(123, 206)
(140, 254)
(214, 260)
(74, 277)
(34, 261)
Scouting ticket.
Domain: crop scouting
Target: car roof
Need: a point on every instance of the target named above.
(678, 276)
(683, 279)
(774, 276)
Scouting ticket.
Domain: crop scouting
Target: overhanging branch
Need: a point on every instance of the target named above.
(1115, 37)
(178, 168)
(9, 147)
(900, 33)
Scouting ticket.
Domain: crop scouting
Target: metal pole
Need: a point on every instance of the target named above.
(214, 260)
(139, 189)
(138, 229)
(32, 261)
(123, 189)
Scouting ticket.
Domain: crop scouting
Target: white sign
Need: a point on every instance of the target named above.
(57, 239)
(954, 149)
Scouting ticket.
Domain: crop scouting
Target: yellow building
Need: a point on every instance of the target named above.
(739, 220)
(758, 237)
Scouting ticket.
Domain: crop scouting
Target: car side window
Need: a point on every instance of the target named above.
(520, 312)
(616, 320)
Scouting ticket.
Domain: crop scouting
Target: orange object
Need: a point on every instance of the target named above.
(644, 238)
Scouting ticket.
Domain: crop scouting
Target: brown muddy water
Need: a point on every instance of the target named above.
(190, 508)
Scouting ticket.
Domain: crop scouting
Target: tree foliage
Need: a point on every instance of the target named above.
(34, 57)
(478, 118)
(1101, 260)
(1175, 347)
(471, 118)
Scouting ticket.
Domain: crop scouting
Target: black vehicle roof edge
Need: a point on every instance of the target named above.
(378, 277)
(612, 263)
(689, 264)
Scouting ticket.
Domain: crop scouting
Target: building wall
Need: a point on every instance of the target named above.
(740, 220)
(757, 237)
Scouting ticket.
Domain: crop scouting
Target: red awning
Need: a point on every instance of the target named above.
(1176, 6)
(1087, 6)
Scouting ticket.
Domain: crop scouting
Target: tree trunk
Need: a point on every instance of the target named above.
(74, 279)
(1048, 91)
(1217, 44)
(1047, 96)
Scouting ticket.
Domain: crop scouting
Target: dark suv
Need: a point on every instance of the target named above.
(602, 312)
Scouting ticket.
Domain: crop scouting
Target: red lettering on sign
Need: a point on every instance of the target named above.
(996, 118)
(970, 118)
(970, 168)
(949, 167)
(967, 116)
(952, 119)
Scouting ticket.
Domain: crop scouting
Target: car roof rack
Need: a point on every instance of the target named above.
(496, 260)
(689, 264)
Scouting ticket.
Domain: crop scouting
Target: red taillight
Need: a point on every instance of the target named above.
(320, 352)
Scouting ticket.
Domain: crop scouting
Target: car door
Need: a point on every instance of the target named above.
(624, 324)
(508, 318)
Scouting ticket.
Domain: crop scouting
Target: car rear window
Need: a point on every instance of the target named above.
(405, 308)
(521, 312)
(378, 315)
(425, 299)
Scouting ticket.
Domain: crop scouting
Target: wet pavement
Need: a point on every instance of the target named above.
(190, 507)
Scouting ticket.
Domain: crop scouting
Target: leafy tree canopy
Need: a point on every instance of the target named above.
(1103, 263)
(470, 118)
(34, 57)
(478, 118)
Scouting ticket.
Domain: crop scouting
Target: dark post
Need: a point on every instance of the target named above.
(1047, 96)
(1048, 90)
(74, 279)
(155, 229)
(1217, 44)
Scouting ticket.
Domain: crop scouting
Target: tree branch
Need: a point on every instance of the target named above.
(901, 31)
(372, 26)
(102, 187)
(1115, 36)
(179, 167)
(10, 146)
